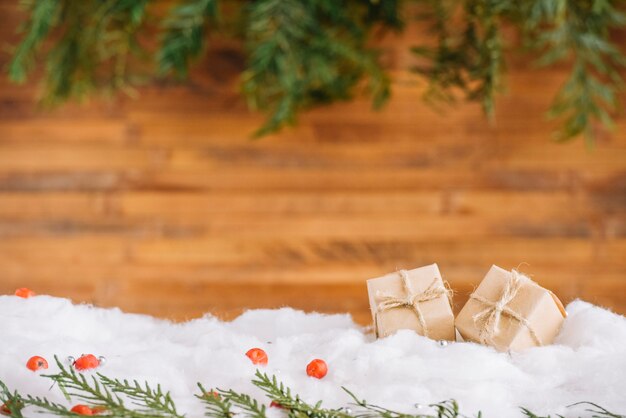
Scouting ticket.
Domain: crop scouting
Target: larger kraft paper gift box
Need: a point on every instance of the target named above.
(509, 311)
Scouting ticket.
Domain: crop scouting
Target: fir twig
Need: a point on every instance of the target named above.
(185, 35)
(44, 405)
(306, 53)
(282, 395)
(445, 409)
(216, 406)
(250, 407)
(150, 400)
(11, 402)
(75, 384)
(101, 391)
(597, 409)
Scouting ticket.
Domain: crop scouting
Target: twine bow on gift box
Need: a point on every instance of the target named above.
(488, 320)
(410, 300)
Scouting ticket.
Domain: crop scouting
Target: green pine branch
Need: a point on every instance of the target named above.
(216, 406)
(445, 409)
(281, 395)
(248, 406)
(43, 15)
(307, 53)
(149, 400)
(102, 391)
(185, 33)
(11, 401)
(44, 405)
(470, 59)
(94, 42)
(581, 34)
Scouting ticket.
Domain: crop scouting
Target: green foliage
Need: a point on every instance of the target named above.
(445, 409)
(248, 406)
(93, 43)
(107, 393)
(43, 15)
(216, 406)
(11, 402)
(306, 53)
(149, 401)
(110, 394)
(282, 396)
(469, 57)
(185, 34)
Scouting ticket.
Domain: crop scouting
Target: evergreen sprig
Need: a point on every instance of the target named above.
(185, 33)
(149, 400)
(11, 402)
(92, 44)
(445, 409)
(305, 53)
(101, 391)
(281, 395)
(248, 405)
(468, 55)
(216, 406)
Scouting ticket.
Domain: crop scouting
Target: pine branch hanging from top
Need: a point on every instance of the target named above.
(305, 53)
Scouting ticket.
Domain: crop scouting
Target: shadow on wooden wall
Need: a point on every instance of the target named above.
(164, 205)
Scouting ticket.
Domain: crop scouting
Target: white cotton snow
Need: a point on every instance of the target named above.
(587, 362)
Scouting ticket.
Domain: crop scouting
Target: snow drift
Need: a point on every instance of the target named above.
(587, 362)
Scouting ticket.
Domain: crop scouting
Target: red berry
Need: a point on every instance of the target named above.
(15, 404)
(317, 368)
(275, 404)
(257, 356)
(24, 292)
(100, 409)
(82, 410)
(213, 393)
(86, 362)
(36, 363)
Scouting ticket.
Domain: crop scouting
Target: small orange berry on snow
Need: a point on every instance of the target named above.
(86, 362)
(317, 368)
(24, 292)
(257, 356)
(82, 410)
(36, 363)
(4, 409)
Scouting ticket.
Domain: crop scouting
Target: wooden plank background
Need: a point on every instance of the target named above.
(164, 205)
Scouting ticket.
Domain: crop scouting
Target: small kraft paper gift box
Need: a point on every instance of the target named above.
(509, 311)
(412, 299)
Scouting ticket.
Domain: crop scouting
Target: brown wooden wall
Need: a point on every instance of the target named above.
(164, 205)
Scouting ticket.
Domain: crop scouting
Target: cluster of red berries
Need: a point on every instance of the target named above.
(84, 362)
(316, 368)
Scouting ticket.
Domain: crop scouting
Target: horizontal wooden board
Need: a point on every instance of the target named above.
(166, 205)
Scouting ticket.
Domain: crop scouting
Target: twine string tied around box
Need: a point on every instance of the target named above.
(411, 299)
(488, 320)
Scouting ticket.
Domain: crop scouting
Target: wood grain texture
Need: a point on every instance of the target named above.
(164, 205)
